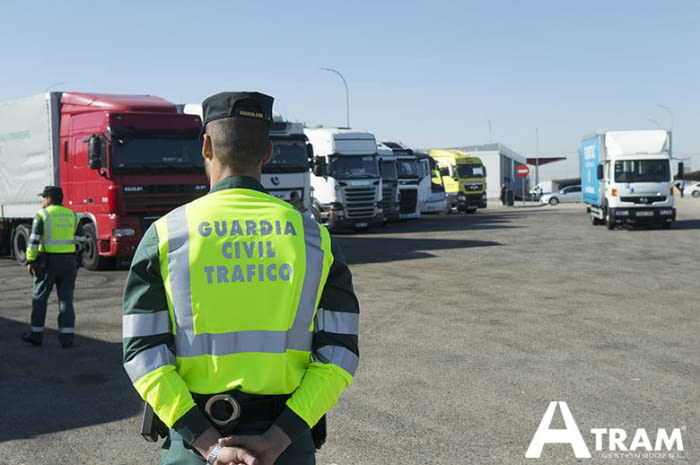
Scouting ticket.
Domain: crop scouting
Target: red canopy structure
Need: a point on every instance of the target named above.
(539, 161)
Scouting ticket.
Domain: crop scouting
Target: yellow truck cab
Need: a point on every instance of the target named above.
(464, 178)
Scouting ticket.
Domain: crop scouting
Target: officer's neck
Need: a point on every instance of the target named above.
(218, 173)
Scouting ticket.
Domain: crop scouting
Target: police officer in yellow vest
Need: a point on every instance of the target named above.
(240, 324)
(51, 259)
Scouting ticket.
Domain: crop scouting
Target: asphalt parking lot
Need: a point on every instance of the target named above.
(471, 325)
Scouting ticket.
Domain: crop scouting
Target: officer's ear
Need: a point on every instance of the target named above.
(207, 151)
(268, 153)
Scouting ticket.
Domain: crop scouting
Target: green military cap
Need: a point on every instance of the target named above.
(229, 104)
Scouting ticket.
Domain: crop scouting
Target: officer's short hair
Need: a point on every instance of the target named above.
(239, 143)
(56, 198)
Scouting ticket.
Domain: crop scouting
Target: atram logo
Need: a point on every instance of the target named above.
(616, 437)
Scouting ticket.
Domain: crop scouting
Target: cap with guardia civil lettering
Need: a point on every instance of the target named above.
(229, 104)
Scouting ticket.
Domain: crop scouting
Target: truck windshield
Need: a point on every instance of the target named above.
(157, 154)
(408, 169)
(470, 171)
(388, 170)
(364, 166)
(287, 157)
(642, 171)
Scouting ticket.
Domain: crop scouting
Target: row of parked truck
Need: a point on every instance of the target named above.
(123, 161)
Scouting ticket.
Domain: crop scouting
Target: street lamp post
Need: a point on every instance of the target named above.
(347, 94)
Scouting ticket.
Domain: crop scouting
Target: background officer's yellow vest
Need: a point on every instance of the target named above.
(58, 234)
(243, 275)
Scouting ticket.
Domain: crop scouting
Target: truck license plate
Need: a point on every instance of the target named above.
(361, 225)
(645, 213)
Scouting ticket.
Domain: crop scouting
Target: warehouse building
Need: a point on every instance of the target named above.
(501, 163)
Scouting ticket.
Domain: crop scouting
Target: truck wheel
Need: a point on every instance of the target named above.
(595, 221)
(554, 201)
(470, 211)
(696, 194)
(666, 225)
(608, 221)
(91, 258)
(20, 241)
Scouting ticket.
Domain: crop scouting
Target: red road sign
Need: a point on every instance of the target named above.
(522, 171)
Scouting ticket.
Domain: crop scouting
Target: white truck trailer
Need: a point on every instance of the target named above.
(627, 177)
(345, 178)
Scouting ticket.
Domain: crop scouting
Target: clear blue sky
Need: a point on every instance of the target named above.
(431, 74)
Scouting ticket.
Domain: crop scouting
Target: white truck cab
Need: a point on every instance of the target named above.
(627, 177)
(345, 178)
(410, 171)
(390, 183)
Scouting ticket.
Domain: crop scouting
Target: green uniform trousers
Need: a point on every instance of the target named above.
(300, 452)
(60, 270)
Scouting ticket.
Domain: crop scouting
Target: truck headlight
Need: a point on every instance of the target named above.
(123, 232)
(461, 196)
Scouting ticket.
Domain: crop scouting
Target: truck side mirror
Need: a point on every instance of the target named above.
(681, 170)
(310, 154)
(599, 172)
(319, 166)
(95, 152)
(444, 171)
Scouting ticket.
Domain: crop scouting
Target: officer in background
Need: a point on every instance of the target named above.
(239, 316)
(51, 259)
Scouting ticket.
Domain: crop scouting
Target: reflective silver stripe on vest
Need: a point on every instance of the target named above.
(300, 334)
(339, 356)
(337, 322)
(145, 324)
(147, 361)
(34, 237)
(47, 224)
(66, 242)
(189, 344)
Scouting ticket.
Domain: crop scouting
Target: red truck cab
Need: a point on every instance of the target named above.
(125, 161)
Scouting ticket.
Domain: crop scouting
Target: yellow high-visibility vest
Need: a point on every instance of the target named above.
(243, 274)
(58, 234)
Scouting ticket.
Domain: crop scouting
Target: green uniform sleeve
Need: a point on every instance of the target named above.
(35, 238)
(147, 339)
(335, 352)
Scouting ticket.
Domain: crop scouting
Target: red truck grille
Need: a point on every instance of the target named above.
(159, 200)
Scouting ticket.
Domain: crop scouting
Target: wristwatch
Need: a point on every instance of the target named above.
(213, 455)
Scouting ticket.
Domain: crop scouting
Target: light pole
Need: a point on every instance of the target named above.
(490, 132)
(670, 142)
(347, 95)
(655, 122)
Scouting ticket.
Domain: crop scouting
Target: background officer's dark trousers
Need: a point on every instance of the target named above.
(60, 270)
(300, 452)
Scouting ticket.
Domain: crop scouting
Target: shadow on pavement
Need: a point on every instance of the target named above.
(359, 250)
(438, 223)
(686, 224)
(48, 389)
